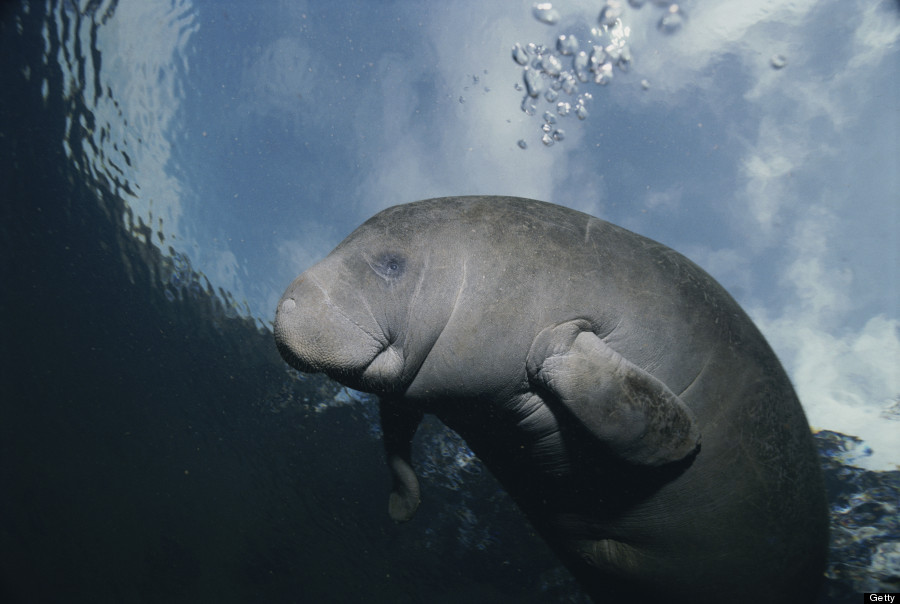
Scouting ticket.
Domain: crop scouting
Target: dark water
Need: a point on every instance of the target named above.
(154, 448)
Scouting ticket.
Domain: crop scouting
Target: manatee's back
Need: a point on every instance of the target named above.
(748, 517)
(754, 494)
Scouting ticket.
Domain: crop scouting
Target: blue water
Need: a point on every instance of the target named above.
(153, 446)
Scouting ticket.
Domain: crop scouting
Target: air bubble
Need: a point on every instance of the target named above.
(533, 84)
(610, 13)
(567, 45)
(597, 58)
(528, 107)
(563, 108)
(522, 144)
(549, 117)
(551, 95)
(545, 13)
(613, 53)
(580, 65)
(581, 112)
(519, 54)
(551, 65)
(604, 74)
(672, 21)
(778, 61)
(624, 61)
(547, 140)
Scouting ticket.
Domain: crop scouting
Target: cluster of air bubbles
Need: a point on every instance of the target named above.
(556, 74)
(474, 85)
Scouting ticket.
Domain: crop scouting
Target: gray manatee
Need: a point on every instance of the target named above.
(617, 392)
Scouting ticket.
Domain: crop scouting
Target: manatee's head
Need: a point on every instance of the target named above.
(368, 314)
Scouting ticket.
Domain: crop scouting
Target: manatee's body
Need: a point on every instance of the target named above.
(619, 394)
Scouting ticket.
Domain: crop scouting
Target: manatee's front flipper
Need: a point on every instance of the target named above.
(633, 414)
(399, 423)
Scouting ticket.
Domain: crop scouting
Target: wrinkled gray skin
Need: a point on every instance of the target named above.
(619, 394)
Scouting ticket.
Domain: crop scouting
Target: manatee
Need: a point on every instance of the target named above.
(619, 394)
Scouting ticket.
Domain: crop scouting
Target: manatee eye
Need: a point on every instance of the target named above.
(389, 266)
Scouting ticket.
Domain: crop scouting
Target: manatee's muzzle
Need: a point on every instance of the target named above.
(287, 311)
(314, 334)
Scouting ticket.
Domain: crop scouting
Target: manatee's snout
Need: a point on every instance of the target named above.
(289, 326)
(315, 332)
(286, 316)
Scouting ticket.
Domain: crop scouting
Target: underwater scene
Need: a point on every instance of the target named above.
(169, 167)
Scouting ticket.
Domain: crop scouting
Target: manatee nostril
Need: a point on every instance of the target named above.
(288, 305)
